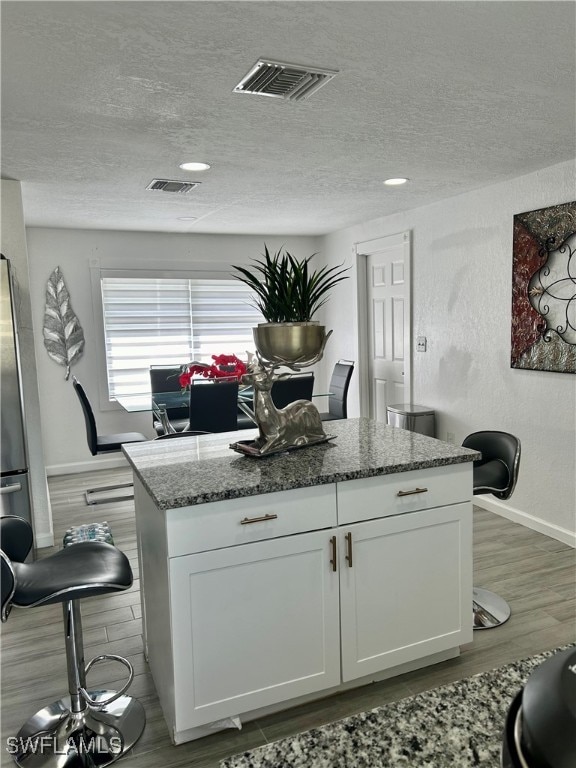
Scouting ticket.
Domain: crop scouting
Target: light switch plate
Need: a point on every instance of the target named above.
(421, 343)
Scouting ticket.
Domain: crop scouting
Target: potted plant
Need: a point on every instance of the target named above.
(289, 293)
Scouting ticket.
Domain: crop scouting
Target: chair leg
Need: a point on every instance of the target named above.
(87, 729)
(489, 609)
(91, 494)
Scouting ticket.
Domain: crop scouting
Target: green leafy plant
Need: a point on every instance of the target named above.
(287, 291)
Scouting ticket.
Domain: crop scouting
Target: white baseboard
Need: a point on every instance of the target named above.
(44, 540)
(528, 521)
(98, 462)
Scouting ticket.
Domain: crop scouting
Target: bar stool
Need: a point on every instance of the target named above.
(496, 473)
(87, 728)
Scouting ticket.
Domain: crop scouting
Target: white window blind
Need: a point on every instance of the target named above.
(171, 321)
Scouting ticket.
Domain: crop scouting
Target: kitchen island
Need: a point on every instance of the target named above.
(268, 581)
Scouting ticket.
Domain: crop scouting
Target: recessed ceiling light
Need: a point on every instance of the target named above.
(194, 166)
(395, 182)
(187, 218)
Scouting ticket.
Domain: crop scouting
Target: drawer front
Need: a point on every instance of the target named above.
(385, 495)
(253, 518)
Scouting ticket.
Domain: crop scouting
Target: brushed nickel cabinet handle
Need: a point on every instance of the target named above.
(334, 558)
(348, 538)
(248, 520)
(411, 493)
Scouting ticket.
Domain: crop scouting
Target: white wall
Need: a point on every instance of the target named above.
(65, 445)
(462, 288)
(13, 246)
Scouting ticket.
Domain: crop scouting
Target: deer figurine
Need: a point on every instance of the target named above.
(297, 424)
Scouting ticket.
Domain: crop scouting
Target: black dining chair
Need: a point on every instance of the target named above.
(339, 384)
(185, 433)
(496, 473)
(297, 387)
(214, 406)
(164, 378)
(103, 444)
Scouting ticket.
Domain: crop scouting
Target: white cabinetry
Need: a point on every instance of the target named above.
(253, 625)
(404, 588)
(289, 594)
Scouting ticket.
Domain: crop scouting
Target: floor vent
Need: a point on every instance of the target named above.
(163, 185)
(283, 81)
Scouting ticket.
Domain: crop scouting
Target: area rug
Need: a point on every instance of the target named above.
(454, 726)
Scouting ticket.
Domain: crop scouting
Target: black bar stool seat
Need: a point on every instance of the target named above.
(87, 570)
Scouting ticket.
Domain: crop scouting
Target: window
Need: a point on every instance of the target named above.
(171, 321)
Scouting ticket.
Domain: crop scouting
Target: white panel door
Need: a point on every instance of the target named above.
(253, 625)
(388, 320)
(408, 591)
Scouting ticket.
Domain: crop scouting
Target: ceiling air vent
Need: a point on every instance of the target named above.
(283, 81)
(163, 185)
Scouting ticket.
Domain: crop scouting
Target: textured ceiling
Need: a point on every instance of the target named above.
(99, 98)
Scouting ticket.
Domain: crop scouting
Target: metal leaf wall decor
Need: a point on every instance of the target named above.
(63, 335)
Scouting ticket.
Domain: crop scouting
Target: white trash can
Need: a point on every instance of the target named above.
(415, 418)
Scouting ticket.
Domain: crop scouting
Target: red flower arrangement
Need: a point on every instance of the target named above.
(224, 367)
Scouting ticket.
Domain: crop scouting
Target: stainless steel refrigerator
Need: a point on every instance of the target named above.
(14, 489)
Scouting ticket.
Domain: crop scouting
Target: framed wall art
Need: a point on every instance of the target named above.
(544, 289)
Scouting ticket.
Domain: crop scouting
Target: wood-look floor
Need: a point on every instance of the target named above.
(536, 574)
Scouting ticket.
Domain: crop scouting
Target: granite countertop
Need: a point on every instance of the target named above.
(197, 470)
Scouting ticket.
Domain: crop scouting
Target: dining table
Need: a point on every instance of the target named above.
(160, 402)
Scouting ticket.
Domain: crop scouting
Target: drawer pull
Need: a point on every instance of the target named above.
(411, 493)
(248, 520)
(334, 558)
(348, 538)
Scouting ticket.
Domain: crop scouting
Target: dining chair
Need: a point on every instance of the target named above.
(496, 473)
(297, 387)
(184, 433)
(339, 383)
(103, 444)
(164, 378)
(214, 406)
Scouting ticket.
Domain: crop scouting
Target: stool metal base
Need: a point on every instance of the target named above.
(57, 738)
(489, 609)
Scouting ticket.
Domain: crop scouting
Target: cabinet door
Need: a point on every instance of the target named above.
(408, 592)
(253, 625)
